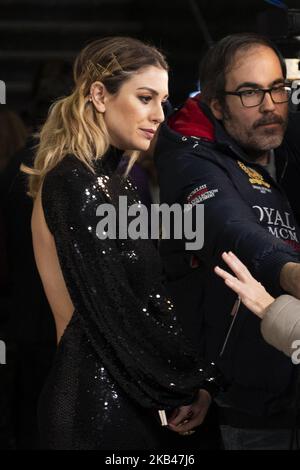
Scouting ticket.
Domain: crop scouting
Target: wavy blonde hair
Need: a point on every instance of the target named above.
(73, 125)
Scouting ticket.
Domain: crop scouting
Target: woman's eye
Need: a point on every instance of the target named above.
(145, 99)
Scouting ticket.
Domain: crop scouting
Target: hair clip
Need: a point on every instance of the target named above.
(98, 71)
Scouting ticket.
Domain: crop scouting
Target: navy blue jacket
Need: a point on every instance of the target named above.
(247, 212)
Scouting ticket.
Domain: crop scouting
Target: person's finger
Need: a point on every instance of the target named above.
(233, 265)
(243, 270)
(183, 414)
(243, 280)
(229, 279)
(224, 274)
(173, 415)
(192, 423)
(236, 286)
(183, 426)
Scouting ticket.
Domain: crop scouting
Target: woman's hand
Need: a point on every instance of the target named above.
(252, 293)
(185, 418)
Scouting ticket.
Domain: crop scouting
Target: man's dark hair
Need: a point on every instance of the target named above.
(219, 58)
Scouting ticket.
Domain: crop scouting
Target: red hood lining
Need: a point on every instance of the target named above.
(190, 120)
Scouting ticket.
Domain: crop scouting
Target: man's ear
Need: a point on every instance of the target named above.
(216, 109)
(98, 95)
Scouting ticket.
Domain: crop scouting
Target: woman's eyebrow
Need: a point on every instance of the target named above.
(148, 88)
(152, 91)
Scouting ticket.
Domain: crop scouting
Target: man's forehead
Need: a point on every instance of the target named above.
(255, 64)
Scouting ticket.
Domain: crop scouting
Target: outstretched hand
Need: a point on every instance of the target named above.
(252, 293)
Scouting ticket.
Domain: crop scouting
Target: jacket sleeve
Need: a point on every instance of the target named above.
(141, 345)
(280, 326)
(230, 224)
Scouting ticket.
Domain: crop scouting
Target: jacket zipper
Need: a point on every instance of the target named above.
(234, 313)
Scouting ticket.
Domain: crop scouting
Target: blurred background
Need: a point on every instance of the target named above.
(39, 38)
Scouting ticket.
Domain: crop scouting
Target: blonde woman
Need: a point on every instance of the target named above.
(121, 356)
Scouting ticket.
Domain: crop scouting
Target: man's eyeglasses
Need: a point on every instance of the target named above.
(254, 97)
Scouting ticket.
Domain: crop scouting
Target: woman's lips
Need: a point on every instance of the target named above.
(148, 133)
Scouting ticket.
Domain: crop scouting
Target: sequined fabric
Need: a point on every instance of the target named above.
(123, 355)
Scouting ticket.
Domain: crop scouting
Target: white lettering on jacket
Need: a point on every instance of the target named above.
(279, 224)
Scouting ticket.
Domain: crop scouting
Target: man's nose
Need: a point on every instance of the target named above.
(267, 103)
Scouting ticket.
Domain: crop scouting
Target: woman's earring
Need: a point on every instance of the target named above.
(90, 98)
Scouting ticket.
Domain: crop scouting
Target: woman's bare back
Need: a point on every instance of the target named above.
(49, 269)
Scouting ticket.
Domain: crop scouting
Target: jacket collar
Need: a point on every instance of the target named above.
(195, 119)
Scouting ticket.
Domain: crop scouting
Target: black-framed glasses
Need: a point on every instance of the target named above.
(255, 96)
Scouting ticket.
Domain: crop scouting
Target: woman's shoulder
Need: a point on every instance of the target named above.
(70, 172)
(64, 190)
(65, 184)
(69, 165)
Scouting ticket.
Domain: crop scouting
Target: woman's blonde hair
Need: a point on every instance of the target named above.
(73, 125)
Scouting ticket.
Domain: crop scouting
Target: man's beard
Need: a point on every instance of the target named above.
(253, 143)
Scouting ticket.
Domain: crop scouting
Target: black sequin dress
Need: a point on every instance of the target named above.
(122, 356)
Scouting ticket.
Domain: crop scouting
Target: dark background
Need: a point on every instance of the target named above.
(38, 42)
(39, 38)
